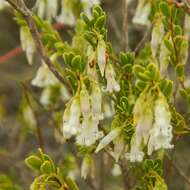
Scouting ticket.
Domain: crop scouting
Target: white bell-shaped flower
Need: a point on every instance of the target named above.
(47, 9)
(112, 84)
(66, 16)
(44, 77)
(101, 55)
(89, 133)
(46, 96)
(141, 136)
(135, 155)
(71, 118)
(142, 13)
(108, 138)
(96, 102)
(85, 102)
(27, 43)
(157, 36)
(29, 117)
(143, 120)
(88, 167)
(161, 133)
(164, 59)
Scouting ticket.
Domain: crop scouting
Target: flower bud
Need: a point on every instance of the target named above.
(96, 102)
(101, 56)
(142, 13)
(112, 84)
(27, 43)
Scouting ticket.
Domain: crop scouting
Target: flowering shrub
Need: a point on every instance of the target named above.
(122, 103)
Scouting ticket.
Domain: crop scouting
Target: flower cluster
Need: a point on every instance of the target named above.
(142, 13)
(152, 126)
(82, 116)
(106, 68)
(49, 10)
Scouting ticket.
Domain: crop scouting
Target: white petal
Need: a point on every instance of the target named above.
(108, 138)
(101, 56)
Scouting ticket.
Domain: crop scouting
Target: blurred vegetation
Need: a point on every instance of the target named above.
(16, 142)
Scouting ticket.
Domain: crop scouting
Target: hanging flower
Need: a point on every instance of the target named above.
(112, 84)
(143, 119)
(29, 117)
(96, 102)
(89, 133)
(116, 170)
(141, 135)
(108, 138)
(87, 167)
(46, 96)
(44, 77)
(101, 55)
(85, 102)
(157, 36)
(142, 13)
(47, 9)
(66, 16)
(161, 133)
(164, 59)
(71, 118)
(27, 43)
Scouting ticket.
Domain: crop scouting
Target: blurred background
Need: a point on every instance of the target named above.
(16, 142)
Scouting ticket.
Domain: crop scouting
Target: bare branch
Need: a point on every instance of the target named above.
(125, 25)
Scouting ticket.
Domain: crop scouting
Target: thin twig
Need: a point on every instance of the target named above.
(20, 6)
(38, 129)
(143, 40)
(125, 25)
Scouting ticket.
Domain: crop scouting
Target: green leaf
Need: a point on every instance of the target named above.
(100, 22)
(138, 69)
(98, 9)
(47, 167)
(126, 58)
(85, 18)
(153, 71)
(68, 57)
(72, 185)
(33, 162)
(167, 87)
(141, 85)
(180, 70)
(77, 63)
(184, 93)
(165, 9)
